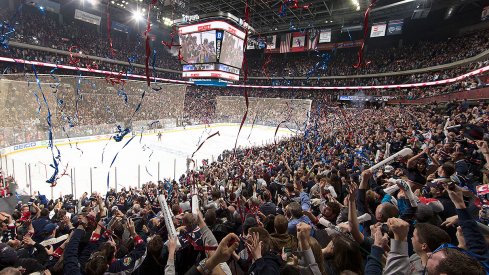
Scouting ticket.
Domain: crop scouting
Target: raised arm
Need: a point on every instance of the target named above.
(412, 161)
(473, 237)
(352, 215)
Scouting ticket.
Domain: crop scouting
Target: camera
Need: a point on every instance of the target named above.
(384, 228)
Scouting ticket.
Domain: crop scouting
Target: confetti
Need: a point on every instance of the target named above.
(50, 132)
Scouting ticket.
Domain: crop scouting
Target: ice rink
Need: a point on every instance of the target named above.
(82, 169)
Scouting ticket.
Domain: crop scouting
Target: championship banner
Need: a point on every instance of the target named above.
(325, 36)
(485, 13)
(395, 27)
(378, 30)
(87, 17)
(298, 42)
(271, 42)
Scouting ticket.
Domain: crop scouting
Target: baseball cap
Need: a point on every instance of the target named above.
(388, 169)
(50, 227)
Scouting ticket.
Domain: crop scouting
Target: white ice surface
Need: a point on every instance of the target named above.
(133, 165)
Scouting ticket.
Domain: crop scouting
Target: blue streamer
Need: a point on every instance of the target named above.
(105, 146)
(321, 65)
(50, 131)
(78, 148)
(113, 160)
(134, 57)
(147, 171)
(122, 93)
(7, 30)
(283, 10)
(78, 96)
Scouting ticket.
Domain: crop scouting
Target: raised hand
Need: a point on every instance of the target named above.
(225, 249)
(255, 245)
(450, 221)
(399, 227)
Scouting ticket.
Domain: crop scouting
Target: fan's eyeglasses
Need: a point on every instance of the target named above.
(448, 245)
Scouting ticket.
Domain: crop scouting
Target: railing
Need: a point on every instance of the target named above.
(477, 94)
(31, 176)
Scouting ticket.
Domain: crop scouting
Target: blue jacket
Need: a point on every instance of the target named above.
(130, 262)
(292, 226)
(269, 264)
(473, 237)
(71, 265)
(38, 225)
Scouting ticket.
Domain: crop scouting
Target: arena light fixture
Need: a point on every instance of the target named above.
(137, 15)
(356, 4)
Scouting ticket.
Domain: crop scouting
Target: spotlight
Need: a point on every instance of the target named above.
(137, 15)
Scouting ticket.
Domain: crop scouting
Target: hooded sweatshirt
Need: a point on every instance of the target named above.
(280, 241)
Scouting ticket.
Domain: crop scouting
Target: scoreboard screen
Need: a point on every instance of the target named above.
(211, 49)
(232, 50)
(199, 47)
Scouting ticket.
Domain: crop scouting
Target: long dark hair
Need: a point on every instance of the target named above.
(99, 261)
(347, 256)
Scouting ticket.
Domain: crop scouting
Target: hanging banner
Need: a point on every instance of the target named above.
(378, 30)
(251, 43)
(271, 42)
(325, 36)
(119, 27)
(298, 42)
(395, 27)
(87, 17)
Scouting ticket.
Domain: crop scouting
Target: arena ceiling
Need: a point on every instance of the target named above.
(265, 16)
(335, 14)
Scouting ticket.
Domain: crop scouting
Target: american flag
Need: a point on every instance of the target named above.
(285, 43)
(313, 40)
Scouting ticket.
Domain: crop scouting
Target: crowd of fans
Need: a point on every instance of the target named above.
(43, 29)
(309, 204)
(418, 55)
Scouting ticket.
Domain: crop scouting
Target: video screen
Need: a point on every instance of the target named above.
(231, 50)
(199, 47)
